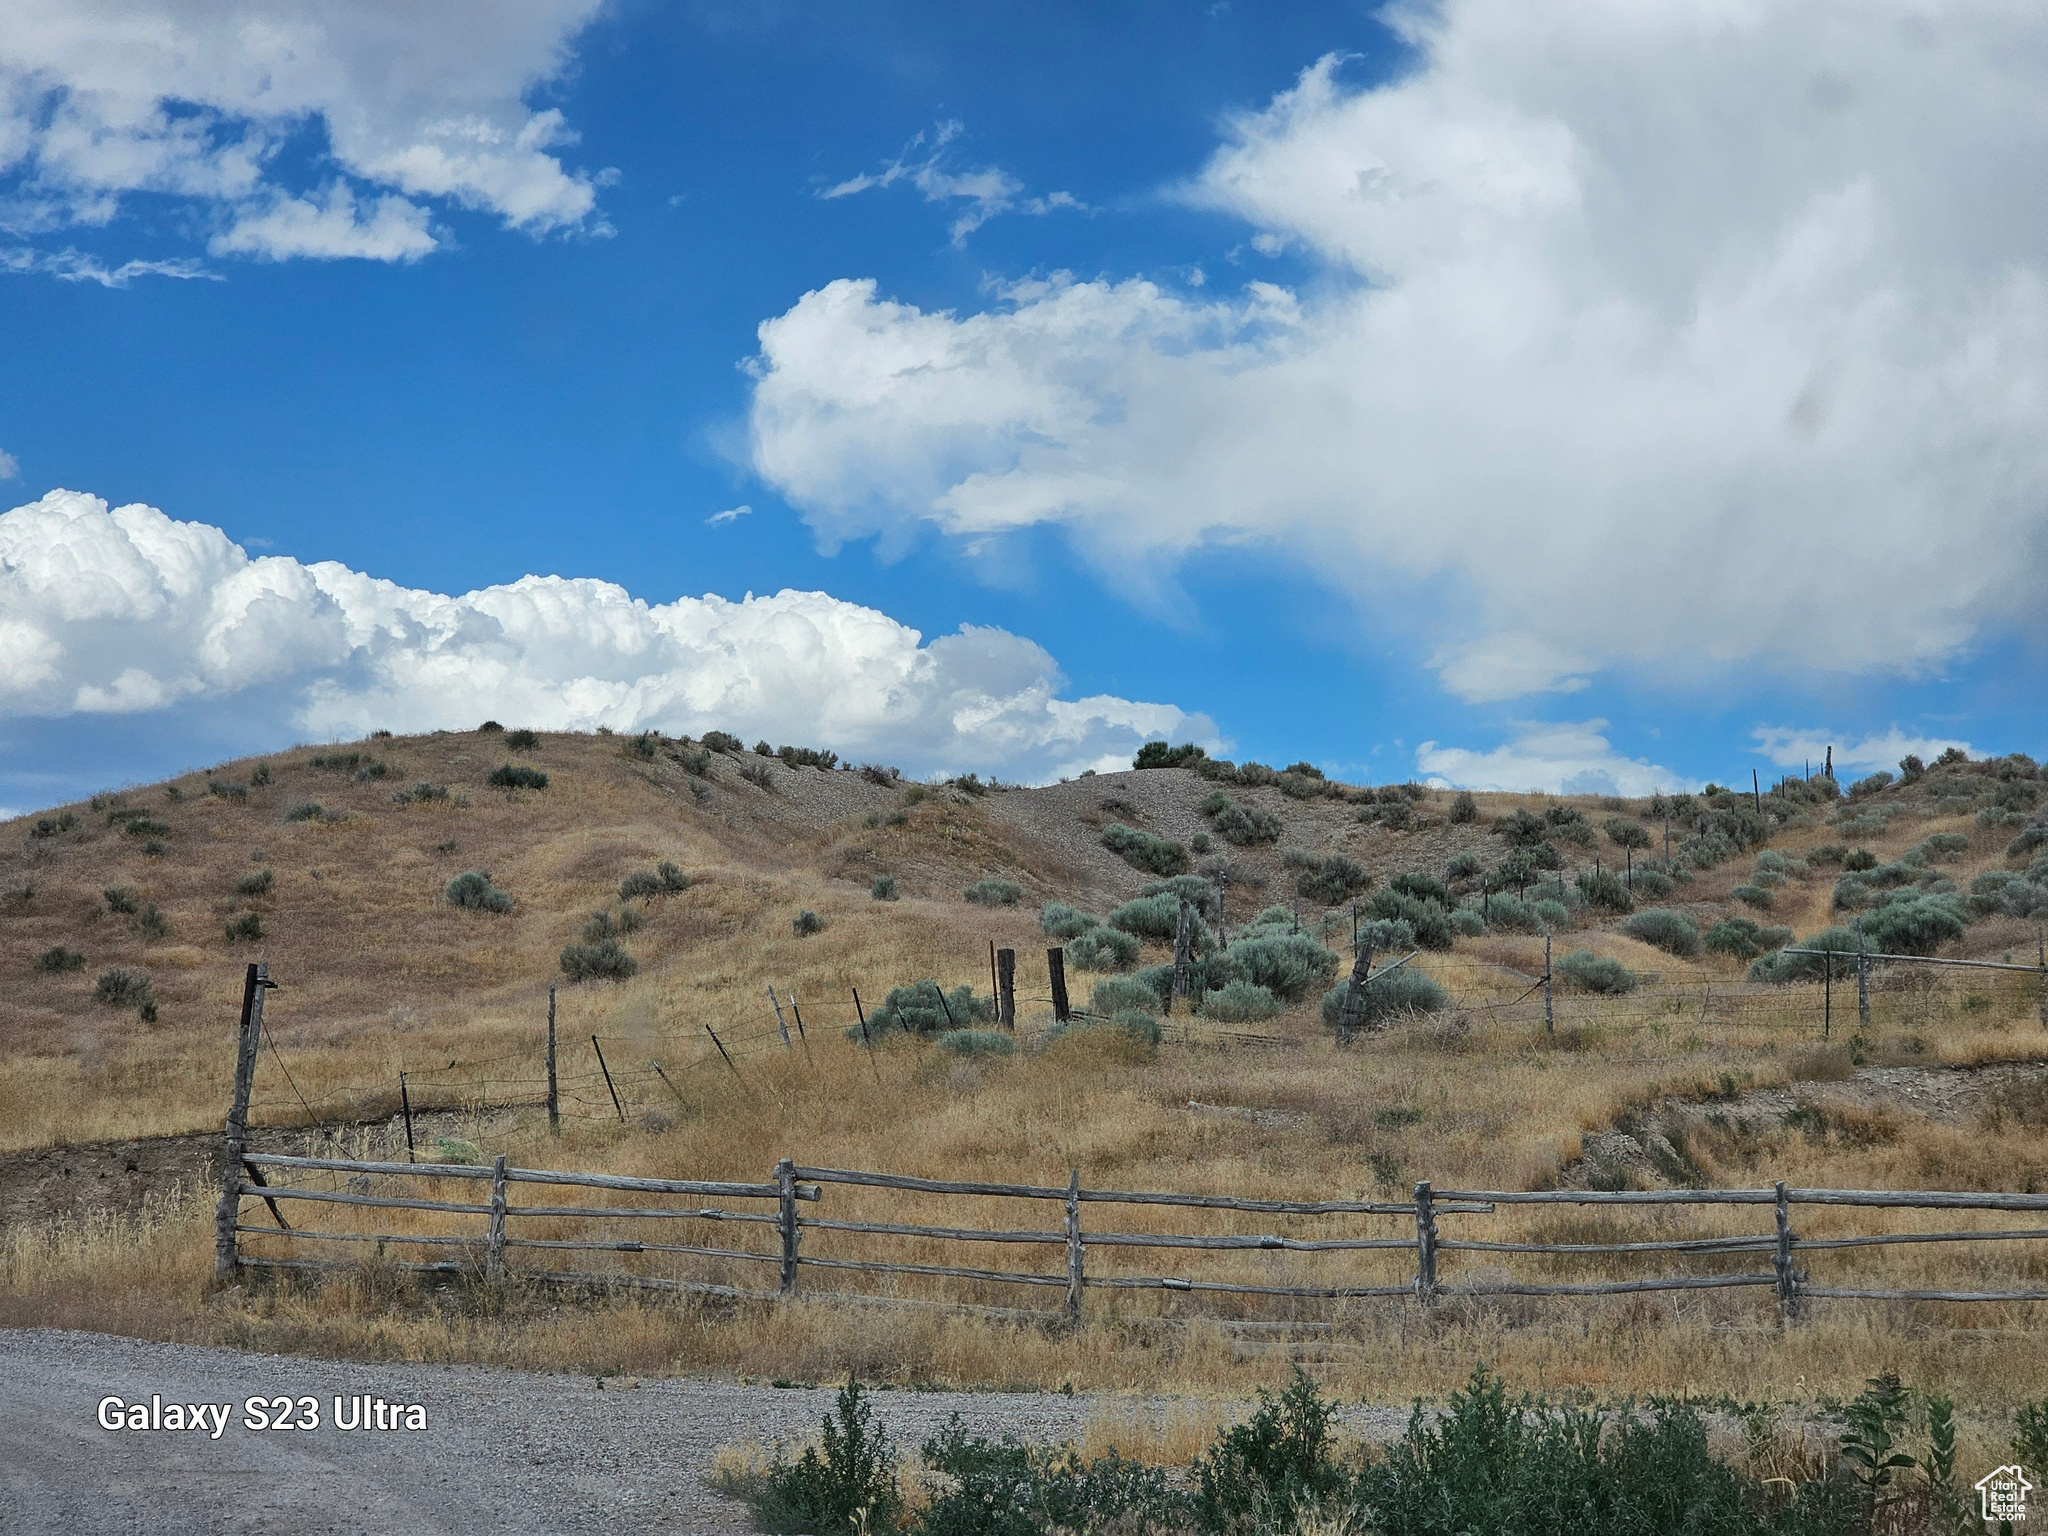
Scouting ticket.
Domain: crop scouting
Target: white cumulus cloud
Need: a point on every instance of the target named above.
(102, 100)
(1674, 338)
(125, 610)
(1797, 747)
(1565, 758)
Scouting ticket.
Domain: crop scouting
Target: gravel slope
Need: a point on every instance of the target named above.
(504, 1451)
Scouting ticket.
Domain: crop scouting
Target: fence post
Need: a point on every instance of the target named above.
(1827, 1016)
(2041, 954)
(1074, 1258)
(785, 1185)
(1862, 980)
(1354, 994)
(779, 1022)
(1781, 1260)
(1549, 1022)
(494, 1241)
(1183, 950)
(1006, 988)
(1056, 968)
(405, 1109)
(607, 1071)
(1425, 1245)
(226, 1258)
(554, 1096)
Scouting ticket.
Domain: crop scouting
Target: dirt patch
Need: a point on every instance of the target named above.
(1646, 1155)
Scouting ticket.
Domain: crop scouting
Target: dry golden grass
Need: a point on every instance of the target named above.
(380, 976)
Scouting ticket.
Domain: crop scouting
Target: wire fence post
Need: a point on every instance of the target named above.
(1549, 1020)
(2041, 954)
(226, 1255)
(1425, 1245)
(1827, 994)
(785, 1187)
(1862, 980)
(1354, 994)
(1056, 969)
(607, 1071)
(554, 1095)
(494, 1241)
(405, 1109)
(1075, 1273)
(780, 1022)
(1006, 988)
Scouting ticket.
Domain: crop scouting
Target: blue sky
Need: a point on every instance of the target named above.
(1596, 403)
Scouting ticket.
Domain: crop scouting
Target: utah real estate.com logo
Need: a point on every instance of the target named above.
(2002, 1494)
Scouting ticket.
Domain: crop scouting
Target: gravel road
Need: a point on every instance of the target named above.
(503, 1451)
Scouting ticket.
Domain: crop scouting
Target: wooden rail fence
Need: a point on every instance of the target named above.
(492, 1253)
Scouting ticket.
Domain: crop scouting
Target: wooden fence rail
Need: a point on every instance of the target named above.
(490, 1253)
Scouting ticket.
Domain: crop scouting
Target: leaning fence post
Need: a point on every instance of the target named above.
(1781, 1260)
(405, 1109)
(554, 1096)
(1056, 968)
(494, 1241)
(1425, 1245)
(779, 1021)
(2041, 954)
(785, 1188)
(226, 1258)
(607, 1071)
(1183, 950)
(1074, 1258)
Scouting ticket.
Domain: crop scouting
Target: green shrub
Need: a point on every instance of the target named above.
(1860, 859)
(994, 893)
(1754, 896)
(222, 790)
(119, 988)
(1327, 879)
(601, 925)
(665, 879)
(1057, 920)
(1463, 866)
(1463, 808)
(150, 922)
(1780, 966)
(1240, 1002)
(1388, 936)
(978, 1042)
(1625, 833)
(1002, 1488)
(144, 826)
(1743, 939)
(258, 884)
(1550, 916)
(51, 826)
(307, 811)
(922, 1009)
(1428, 918)
(1243, 825)
(882, 888)
(806, 923)
(721, 741)
(517, 776)
(521, 741)
(248, 927)
(259, 776)
(489, 725)
(1387, 997)
(1942, 846)
(1669, 930)
(1289, 965)
(1199, 842)
(1653, 883)
(119, 898)
(1139, 1025)
(1142, 850)
(1602, 888)
(1468, 922)
(605, 960)
(1103, 949)
(1262, 1472)
(473, 892)
(2033, 837)
(810, 757)
(57, 960)
(1916, 925)
(1113, 994)
(1593, 973)
(1506, 912)
(422, 792)
(1158, 917)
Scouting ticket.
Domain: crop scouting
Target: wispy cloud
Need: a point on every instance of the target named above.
(989, 190)
(1794, 746)
(729, 515)
(74, 266)
(10, 466)
(1563, 758)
